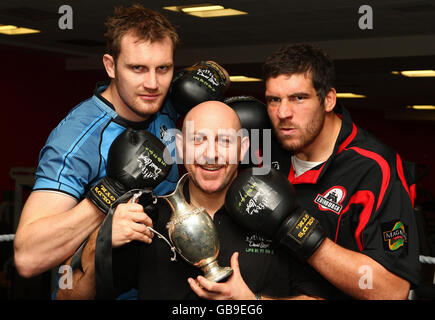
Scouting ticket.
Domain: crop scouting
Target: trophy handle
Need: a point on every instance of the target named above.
(173, 249)
(176, 199)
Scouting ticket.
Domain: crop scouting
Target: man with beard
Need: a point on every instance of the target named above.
(358, 189)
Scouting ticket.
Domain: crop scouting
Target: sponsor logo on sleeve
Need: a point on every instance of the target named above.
(395, 235)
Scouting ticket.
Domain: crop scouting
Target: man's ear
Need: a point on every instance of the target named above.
(244, 146)
(179, 147)
(330, 100)
(109, 65)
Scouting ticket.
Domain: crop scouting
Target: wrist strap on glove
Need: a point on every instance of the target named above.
(302, 234)
(105, 193)
(104, 283)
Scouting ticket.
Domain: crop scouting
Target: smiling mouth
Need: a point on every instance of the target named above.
(210, 168)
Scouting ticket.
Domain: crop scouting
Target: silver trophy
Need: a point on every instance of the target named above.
(194, 235)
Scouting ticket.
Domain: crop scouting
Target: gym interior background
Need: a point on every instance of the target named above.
(45, 74)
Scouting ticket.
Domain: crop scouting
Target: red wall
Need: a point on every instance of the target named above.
(37, 92)
(414, 141)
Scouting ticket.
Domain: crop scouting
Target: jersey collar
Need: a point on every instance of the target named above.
(346, 135)
(141, 125)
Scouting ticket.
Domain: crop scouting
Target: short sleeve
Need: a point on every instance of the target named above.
(390, 236)
(71, 158)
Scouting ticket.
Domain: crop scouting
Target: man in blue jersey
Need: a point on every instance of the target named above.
(58, 217)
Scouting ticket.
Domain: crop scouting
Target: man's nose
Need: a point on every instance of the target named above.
(150, 81)
(211, 153)
(285, 110)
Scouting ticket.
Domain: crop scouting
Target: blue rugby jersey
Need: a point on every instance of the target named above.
(75, 154)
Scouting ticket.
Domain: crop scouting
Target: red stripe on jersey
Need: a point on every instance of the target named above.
(412, 193)
(309, 176)
(367, 200)
(401, 174)
(385, 168)
(348, 139)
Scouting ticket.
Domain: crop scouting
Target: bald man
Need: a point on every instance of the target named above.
(211, 148)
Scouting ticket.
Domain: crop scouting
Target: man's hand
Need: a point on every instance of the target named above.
(83, 283)
(233, 289)
(130, 223)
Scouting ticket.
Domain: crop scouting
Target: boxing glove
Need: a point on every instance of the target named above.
(251, 111)
(254, 118)
(267, 204)
(202, 82)
(135, 161)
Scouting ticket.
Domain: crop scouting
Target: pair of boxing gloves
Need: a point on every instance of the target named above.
(265, 204)
(201, 82)
(136, 157)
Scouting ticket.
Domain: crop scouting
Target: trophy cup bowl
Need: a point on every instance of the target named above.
(194, 235)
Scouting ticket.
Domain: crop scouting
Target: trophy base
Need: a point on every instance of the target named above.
(215, 273)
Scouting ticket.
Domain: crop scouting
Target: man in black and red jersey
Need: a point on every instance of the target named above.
(355, 186)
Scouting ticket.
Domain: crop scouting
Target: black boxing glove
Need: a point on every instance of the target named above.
(253, 116)
(267, 204)
(251, 111)
(135, 161)
(201, 82)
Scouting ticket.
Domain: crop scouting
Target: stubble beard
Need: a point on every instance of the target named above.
(308, 135)
(133, 105)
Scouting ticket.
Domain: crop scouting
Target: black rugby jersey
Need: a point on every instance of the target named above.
(363, 197)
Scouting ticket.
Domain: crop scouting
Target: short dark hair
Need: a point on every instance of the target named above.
(302, 58)
(146, 24)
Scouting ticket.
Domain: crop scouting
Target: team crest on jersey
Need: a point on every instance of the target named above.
(331, 200)
(165, 135)
(163, 131)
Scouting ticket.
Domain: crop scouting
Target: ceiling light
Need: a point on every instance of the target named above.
(421, 107)
(172, 8)
(7, 27)
(243, 79)
(14, 30)
(349, 95)
(201, 8)
(416, 73)
(206, 10)
(217, 13)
